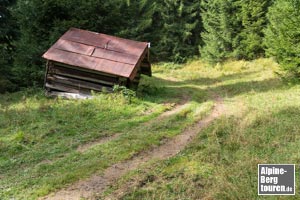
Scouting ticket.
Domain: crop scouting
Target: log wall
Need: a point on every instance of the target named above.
(69, 79)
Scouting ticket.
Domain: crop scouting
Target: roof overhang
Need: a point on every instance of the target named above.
(98, 52)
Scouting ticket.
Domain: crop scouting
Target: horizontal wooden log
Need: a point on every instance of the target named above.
(84, 69)
(83, 78)
(71, 88)
(68, 95)
(75, 82)
(83, 75)
(62, 88)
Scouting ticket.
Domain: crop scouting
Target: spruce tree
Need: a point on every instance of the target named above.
(220, 28)
(283, 34)
(248, 43)
(143, 22)
(8, 31)
(5, 34)
(181, 29)
(173, 27)
(42, 22)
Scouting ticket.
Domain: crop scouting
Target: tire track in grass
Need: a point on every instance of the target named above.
(176, 109)
(86, 146)
(95, 185)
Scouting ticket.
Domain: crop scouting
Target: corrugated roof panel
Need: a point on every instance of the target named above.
(97, 51)
(85, 37)
(118, 57)
(104, 41)
(89, 62)
(74, 47)
(127, 46)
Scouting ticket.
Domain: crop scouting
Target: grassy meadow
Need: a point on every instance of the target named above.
(40, 136)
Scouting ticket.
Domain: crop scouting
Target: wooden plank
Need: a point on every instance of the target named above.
(115, 56)
(84, 88)
(73, 73)
(75, 82)
(83, 78)
(63, 88)
(84, 70)
(47, 70)
(104, 41)
(95, 52)
(90, 63)
(68, 95)
(137, 66)
(146, 67)
(73, 88)
(74, 47)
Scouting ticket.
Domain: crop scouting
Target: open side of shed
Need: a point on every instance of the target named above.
(83, 61)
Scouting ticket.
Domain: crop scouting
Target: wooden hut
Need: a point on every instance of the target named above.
(83, 61)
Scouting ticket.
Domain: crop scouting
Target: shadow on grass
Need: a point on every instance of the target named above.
(152, 89)
(270, 138)
(210, 81)
(66, 129)
(159, 90)
(229, 149)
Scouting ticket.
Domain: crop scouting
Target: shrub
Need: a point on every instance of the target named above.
(127, 93)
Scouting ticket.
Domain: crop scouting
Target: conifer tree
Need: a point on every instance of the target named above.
(283, 34)
(42, 22)
(220, 28)
(181, 29)
(248, 43)
(173, 27)
(8, 31)
(143, 22)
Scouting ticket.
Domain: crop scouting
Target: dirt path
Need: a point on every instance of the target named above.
(88, 189)
(177, 108)
(89, 145)
(180, 106)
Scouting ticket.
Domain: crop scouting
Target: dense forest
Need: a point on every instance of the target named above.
(223, 97)
(215, 30)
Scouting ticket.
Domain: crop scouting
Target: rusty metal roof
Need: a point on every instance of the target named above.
(99, 52)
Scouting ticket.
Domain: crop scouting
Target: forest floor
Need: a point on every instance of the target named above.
(193, 132)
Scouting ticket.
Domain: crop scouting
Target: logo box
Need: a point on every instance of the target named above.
(276, 179)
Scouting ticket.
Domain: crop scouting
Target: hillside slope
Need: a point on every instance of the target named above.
(47, 144)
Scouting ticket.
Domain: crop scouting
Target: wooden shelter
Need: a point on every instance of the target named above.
(83, 61)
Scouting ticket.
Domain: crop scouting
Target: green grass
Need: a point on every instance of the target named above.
(261, 125)
(39, 136)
